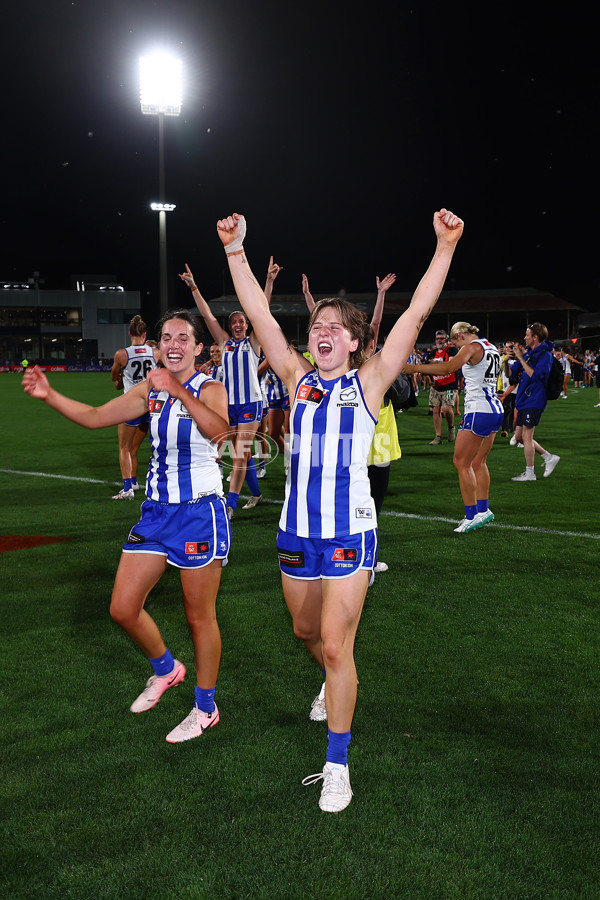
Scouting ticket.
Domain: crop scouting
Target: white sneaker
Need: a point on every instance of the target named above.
(551, 464)
(230, 512)
(318, 711)
(136, 487)
(596, 405)
(124, 495)
(228, 477)
(468, 525)
(486, 517)
(525, 476)
(193, 726)
(513, 441)
(381, 567)
(252, 502)
(156, 687)
(336, 792)
(260, 473)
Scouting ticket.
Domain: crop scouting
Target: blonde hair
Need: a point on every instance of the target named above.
(137, 327)
(462, 328)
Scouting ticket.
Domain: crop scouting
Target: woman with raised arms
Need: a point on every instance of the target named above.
(327, 540)
(183, 519)
(480, 363)
(240, 354)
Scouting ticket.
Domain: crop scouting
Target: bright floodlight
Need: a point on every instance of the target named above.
(162, 207)
(161, 85)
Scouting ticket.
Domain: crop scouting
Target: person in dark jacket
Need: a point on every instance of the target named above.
(533, 367)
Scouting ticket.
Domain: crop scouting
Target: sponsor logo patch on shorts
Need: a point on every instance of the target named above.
(135, 538)
(193, 547)
(291, 559)
(345, 554)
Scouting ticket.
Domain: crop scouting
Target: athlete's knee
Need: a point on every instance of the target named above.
(123, 612)
(306, 631)
(201, 622)
(335, 651)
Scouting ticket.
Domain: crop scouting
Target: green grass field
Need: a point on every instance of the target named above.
(474, 759)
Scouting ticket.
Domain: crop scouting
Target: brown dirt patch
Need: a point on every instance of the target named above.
(25, 542)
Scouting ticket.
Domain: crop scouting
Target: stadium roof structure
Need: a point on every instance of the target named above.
(478, 301)
(499, 314)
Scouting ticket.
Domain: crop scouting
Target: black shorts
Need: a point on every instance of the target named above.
(529, 418)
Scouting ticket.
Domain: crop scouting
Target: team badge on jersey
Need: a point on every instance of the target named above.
(310, 394)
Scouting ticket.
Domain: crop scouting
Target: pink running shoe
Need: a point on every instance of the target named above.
(193, 726)
(155, 688)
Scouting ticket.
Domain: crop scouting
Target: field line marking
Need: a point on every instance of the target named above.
(61, 477)
(389, 513)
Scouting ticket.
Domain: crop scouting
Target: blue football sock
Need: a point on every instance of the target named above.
(337, 747)
(133, 481)
(163, 665)
(127, 484)
(483, 505)
(232, 499)
(205, 699)
(470, 512)
(251, 479)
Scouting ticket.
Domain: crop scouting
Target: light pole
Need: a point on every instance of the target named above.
(161, 95)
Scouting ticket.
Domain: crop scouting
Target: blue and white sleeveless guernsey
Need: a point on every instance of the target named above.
(240, 364)
(183, 465)
(140, 359)
(481, 380)
(327, 492)
(276, 388)
(216, 373)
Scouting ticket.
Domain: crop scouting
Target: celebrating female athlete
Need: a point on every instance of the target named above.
(327, 540)
(183, 522)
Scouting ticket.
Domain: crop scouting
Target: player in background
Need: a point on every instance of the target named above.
(483, 414)
(240, 353)
(130, 367)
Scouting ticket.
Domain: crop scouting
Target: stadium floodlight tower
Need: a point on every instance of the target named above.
(161, 91)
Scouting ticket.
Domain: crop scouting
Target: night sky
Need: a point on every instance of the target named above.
(337, 134)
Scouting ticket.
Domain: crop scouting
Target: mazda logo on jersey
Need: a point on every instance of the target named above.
(348, 394)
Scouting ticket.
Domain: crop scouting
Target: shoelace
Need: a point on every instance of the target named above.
(312, 779)
(331, 783)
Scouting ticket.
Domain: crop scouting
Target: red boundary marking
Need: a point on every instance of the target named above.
(10, 542)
